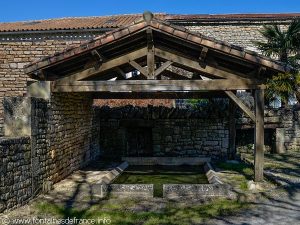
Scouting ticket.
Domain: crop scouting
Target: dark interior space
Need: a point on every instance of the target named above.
(245, 140)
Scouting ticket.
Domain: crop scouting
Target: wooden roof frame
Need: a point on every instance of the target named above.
(153, 48)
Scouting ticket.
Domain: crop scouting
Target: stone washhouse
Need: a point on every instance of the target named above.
(51, 128)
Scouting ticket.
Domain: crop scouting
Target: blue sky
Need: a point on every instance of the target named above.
(19, 10)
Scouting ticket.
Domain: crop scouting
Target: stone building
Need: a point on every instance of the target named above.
(62, 132)
(23, 42)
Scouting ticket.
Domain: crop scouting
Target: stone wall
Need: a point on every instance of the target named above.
(14, 55)
(64, 137)
(288, 131)
(70, 134)
(174, 132)
(282, 130)
(15, 172)
(241, 33)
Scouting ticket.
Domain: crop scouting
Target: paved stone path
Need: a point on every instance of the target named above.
(276, 209)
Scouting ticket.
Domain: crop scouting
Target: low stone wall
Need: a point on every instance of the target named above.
(195, 191)
(131, 190)
(165, 161)
(15, 172)
(172, 132)
(215, 188)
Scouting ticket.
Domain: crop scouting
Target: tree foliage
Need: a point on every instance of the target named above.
(283, 44)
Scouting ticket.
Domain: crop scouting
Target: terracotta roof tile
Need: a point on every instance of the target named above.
(110, 22)
(163, 27)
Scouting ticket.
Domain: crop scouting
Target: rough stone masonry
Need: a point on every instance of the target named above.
(64, 137)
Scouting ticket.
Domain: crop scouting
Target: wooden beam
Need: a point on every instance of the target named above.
(194, 64)
(150, 55)
(259, 136)
(154, 85)
(138, 67)
(162, 68)
(240, 104)
(158, 95)
(110, 64)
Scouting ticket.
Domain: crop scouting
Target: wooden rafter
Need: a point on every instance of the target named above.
(110, 64)
(193, 64)
(100, 59)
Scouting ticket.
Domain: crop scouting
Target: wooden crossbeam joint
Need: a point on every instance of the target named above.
(162, 68)
(241, 105)
(138, 67)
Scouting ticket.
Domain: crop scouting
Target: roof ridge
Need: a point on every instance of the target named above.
(80, 17)
(228, 14)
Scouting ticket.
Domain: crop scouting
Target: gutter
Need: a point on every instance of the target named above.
(102, 30)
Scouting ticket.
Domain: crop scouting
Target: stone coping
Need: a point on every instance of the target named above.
(111, 175)
(211, 175)
(196, 191)
(166, 161)
(131, 190)
(215, 187)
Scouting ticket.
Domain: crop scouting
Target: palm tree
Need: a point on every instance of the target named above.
(283, 44)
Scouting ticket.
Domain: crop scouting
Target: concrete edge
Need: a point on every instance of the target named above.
(211, 175)
(166, 161)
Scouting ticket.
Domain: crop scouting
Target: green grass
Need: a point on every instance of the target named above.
(172, 214)
(241, 168)
(159, 175)
(245, 173)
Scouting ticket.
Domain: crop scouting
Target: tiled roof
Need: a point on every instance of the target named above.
(162, 26)
(110, 22)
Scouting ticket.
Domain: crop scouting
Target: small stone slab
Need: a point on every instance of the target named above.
(174, 191)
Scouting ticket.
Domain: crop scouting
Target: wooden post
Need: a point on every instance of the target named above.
(259, 135)
(232, 130)
(150, 55)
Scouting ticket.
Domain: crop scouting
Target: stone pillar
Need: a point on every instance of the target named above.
(280, 133)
